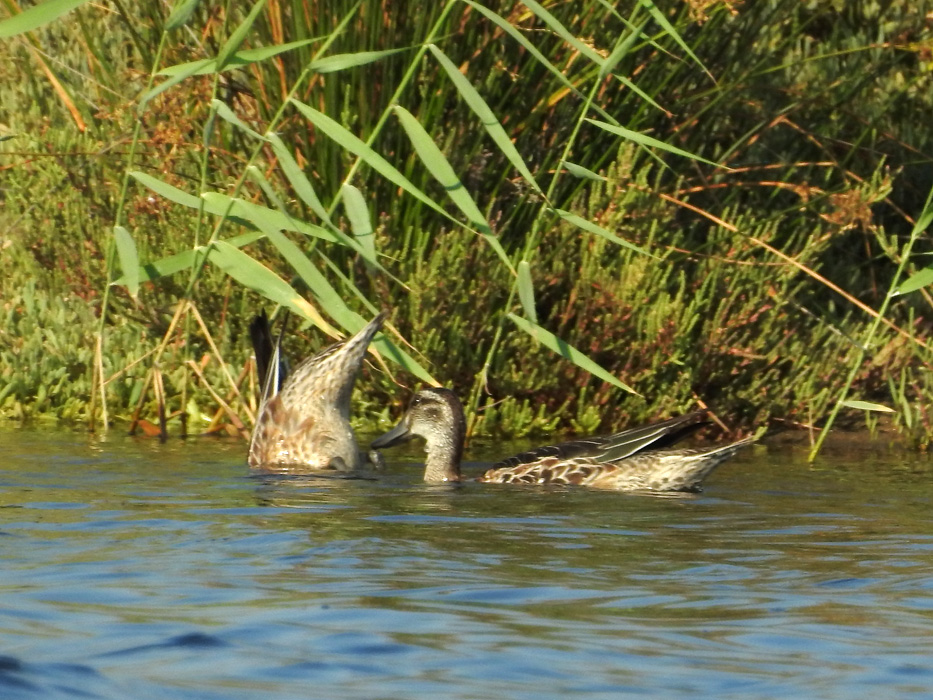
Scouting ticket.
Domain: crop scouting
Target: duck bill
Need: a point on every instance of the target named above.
(396, 436)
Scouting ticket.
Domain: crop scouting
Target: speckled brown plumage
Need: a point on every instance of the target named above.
(626, 461)
(654, 470)
(305, 426)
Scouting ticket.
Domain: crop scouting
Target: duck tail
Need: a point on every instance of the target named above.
(703, 461)
(268, 354)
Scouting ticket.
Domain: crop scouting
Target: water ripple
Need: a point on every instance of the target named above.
(134, 570)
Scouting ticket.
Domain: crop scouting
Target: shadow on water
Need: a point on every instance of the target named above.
(133, 569)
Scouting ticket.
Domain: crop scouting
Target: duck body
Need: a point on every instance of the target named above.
(304, 420)
(635, 459)
(652, 470)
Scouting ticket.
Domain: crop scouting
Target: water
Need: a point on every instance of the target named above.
(137, 570)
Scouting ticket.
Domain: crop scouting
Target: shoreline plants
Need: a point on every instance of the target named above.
(581, 215)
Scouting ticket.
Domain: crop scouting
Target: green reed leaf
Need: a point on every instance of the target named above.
(224, 205)
(581, 172)
(342, 61)
(510, 29)
(37, 16)
(439, 167)
(129, 259)
(507, 27)
(232, 45)
(918, 280)
(619, 52)
(661, 19)
(526, 291)
(180, 14)
(486, 116)
(163, 189)
(567, 351)
(240, 58)
(924, 276)
(221, 204)
(297, 178)
(647, 141)
(638, 91)
(358, 148)
(330, 300)
(867, 406)
(360, 223)
(923, 221)
(256, 276)
(263, 217)
(561, 31)
(165, 85)
(228, 115)
(203, 66)
(388, 348)
(172, 264)
(590, 227)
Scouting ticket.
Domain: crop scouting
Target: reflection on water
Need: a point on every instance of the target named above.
(133, 569)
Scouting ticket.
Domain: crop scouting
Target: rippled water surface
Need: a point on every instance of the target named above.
(130, 569)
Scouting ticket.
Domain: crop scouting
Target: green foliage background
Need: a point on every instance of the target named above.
(740, 287)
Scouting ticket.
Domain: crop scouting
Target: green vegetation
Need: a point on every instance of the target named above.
(701, 202)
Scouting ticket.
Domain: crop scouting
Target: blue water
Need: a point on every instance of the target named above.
(131, 569)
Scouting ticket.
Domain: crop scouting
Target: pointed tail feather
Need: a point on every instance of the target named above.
(700, 463)
(268, 355)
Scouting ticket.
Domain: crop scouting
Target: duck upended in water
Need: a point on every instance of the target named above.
(304, 426)
(620, 461)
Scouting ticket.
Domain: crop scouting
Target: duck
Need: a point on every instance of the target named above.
(631, 460)
(303, 423)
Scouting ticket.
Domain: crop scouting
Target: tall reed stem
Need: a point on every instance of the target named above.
(923, 222)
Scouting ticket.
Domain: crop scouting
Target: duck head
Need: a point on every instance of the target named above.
(436, 415)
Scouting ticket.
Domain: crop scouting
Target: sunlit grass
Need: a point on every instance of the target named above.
(561, 204)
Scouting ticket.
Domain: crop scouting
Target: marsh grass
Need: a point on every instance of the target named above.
(510, 179)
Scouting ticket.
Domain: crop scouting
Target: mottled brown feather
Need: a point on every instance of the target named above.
(437, 416)
(305, 427)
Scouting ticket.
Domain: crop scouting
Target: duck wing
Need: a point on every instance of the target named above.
(655, 470)
(612, 448)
